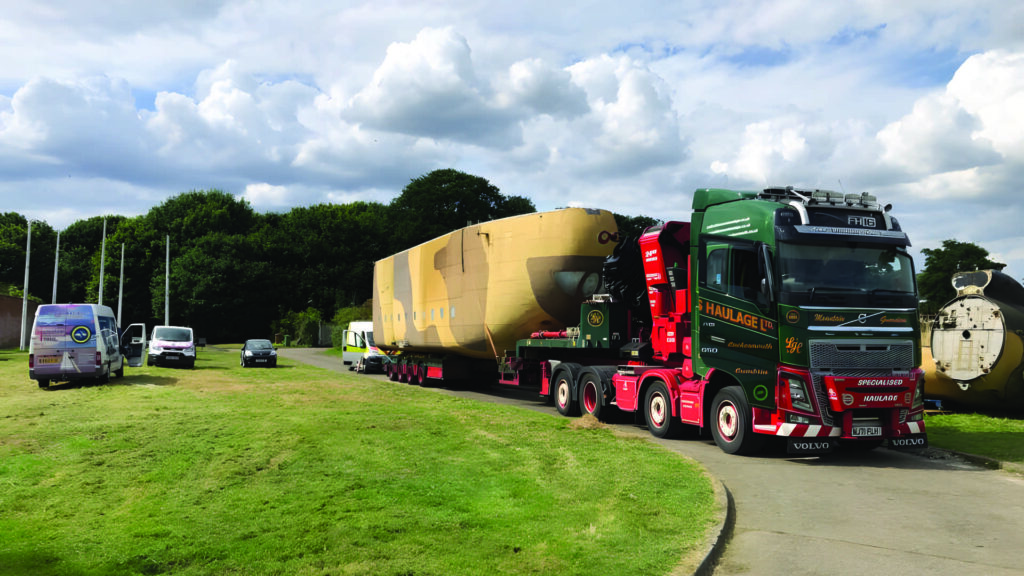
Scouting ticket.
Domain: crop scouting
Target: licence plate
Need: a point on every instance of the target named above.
(867, 430)
(48, 360)
(261, 360)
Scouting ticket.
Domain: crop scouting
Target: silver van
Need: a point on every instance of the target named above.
(76, 342)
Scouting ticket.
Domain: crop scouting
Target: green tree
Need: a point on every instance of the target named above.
(934, 283)
(633, 226)
(13, 236)
(446, 200)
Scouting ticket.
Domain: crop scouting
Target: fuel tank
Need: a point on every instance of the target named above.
(474, 292)
(977, 350)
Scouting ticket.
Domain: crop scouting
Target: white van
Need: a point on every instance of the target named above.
(78, 341)
(172, 346)
(358, 351)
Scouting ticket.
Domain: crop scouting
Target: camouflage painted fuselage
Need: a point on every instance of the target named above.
(476, 291)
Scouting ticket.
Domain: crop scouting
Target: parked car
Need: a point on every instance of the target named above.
(172, 346)
(258, 353)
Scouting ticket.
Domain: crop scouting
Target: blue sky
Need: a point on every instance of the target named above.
(112, 107)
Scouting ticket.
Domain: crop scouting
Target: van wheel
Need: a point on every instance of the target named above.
(105, 377)
(44, 383)
(120, 371)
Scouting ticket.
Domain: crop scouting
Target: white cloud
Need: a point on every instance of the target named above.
(264, 196)
(990, 87)
(428, 87)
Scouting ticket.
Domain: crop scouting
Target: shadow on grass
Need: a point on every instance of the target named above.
(37, 563)
(128, 380)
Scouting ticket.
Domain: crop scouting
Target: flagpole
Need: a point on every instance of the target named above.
(56, 260)
(24, 294)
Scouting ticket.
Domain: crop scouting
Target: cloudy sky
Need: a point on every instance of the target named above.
(111, 107)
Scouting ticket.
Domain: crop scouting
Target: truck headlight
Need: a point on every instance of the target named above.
(797, 389)
(919, 395)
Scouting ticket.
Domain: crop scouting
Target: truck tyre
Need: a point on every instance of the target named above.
(731, 422)
(658, 412)
(591, 387)
(392, 370)
(562, 392)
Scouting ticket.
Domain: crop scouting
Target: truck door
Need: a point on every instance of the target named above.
(133, 343)
(737, 331)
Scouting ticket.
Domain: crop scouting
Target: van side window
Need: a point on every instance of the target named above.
(108, 332)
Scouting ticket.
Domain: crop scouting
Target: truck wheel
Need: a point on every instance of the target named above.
(658, 412)
(392, 371)
(731, 426)
(565, 400)
(591, 394)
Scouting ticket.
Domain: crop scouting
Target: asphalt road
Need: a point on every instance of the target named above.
(863, 514)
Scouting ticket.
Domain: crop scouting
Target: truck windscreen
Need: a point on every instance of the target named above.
(847, 275)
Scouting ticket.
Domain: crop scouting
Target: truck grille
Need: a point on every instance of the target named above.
(859, 358)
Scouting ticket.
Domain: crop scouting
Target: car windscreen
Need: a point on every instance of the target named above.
(259, 345)
(172, 334)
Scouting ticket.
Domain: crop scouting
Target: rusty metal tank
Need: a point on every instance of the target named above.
(476, 291)
(977, 346)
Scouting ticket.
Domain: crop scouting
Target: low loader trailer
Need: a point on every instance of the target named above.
(780, 313)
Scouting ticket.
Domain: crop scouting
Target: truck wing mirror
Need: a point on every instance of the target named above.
(767, 277)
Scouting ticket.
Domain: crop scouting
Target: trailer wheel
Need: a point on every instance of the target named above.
(658, 412)
(565, 400)
(732, 427)
(591, 389)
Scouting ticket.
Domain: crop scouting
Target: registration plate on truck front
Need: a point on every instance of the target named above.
(867, 431)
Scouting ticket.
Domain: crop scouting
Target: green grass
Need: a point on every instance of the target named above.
(983, 435)
(298, 470)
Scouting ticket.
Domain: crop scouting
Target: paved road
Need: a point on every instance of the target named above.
(879, 512)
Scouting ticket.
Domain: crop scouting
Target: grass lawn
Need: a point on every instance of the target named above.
(992, 436)
(298, 470)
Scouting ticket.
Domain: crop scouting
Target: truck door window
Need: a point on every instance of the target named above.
(732, 268)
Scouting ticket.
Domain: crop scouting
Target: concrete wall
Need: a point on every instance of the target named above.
(10, 321)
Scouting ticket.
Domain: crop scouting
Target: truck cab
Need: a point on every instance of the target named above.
(805, 318)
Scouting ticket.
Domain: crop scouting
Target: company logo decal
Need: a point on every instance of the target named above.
(595, 318)
(848, 399)
(794, 346)
(793, 316)
(81, 334)
(911, 442)
(737, 317)
(760, 392)
(605, 237)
